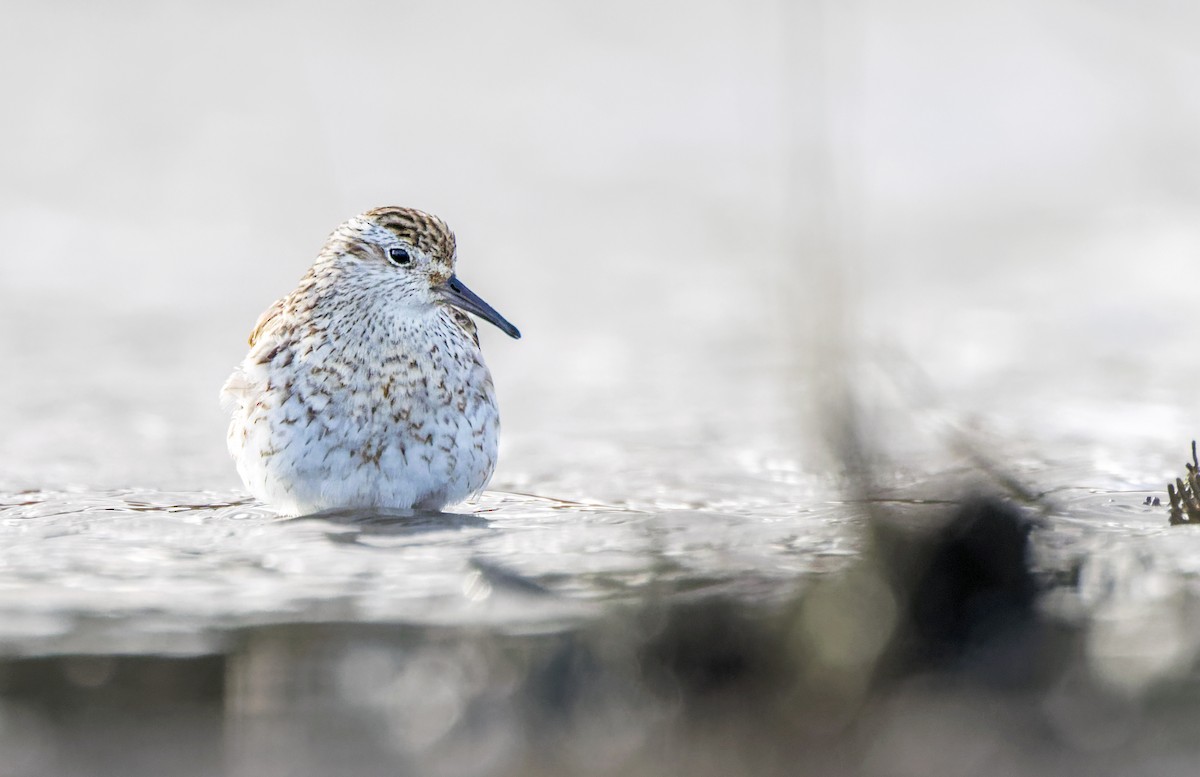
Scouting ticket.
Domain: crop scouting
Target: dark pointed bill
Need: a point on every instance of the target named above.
(458, 295)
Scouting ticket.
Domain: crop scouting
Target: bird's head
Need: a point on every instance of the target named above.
(412, 254)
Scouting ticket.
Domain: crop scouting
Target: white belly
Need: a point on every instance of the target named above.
(323, 433)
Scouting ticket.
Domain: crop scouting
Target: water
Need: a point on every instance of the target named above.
(731, 233)
(171, 574)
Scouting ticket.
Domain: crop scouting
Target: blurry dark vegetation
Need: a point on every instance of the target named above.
(1184, 493)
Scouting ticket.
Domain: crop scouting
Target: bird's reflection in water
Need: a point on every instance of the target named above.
(386, 521)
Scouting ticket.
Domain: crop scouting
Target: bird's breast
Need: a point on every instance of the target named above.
(416, 381)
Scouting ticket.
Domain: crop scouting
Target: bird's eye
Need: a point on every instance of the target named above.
(398, 256)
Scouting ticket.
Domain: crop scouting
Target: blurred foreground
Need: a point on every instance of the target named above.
(933, 654)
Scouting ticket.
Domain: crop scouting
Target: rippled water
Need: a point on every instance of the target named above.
(149, 571)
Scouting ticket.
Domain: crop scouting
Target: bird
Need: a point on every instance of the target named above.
(365, 387)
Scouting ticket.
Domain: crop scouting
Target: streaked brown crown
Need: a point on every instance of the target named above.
(424, 231)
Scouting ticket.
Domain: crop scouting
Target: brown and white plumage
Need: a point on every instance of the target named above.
(366, 386)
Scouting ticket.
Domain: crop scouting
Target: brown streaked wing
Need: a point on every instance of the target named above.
(266, 319)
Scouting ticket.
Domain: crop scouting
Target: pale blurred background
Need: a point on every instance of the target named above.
(681, 204)
(617, 175)
(728, 231)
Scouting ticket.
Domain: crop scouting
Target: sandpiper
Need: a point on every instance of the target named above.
(365, 387)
